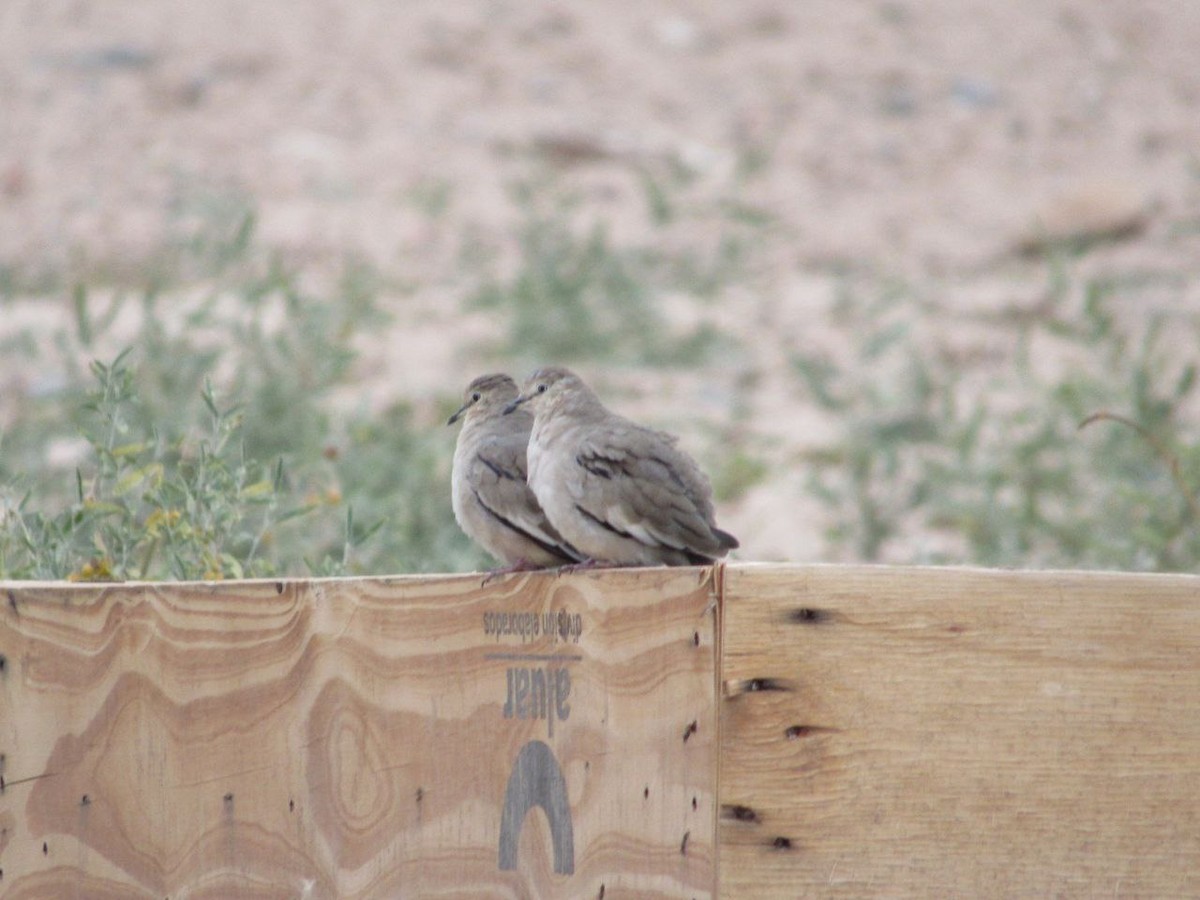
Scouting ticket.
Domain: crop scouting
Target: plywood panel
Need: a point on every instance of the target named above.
(358, 738)
(947, 733)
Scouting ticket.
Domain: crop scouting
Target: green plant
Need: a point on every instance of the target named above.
(936, 466)
(737, 473)
(148, 505)
(215, 449)
(578, 294)
(397, 471)
(573, 295)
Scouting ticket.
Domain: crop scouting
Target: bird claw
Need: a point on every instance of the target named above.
(521, 565)
(587, 565)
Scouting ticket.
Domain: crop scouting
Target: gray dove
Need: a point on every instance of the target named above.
(491, 500)
(621, 494)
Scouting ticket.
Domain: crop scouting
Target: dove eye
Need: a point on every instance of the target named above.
(475, 397)
(541, 389)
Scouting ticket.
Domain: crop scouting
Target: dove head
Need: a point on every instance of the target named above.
(553, 388)
(485, 396)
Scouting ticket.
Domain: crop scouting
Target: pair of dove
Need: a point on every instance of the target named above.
(548, 477)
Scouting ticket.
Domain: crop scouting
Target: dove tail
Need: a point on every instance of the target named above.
(725, 539)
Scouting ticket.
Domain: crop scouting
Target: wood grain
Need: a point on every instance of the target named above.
(883, 733)
(954, 733)
(348, 738)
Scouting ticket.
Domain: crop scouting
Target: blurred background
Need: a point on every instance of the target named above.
(916, 282)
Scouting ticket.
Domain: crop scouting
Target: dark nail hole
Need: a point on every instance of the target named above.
(692, 728)
(794, 732)
(696, 638)
(782, 843)
(85, 800)
(601, 894)
(694, 804)
(291, 805)
(45, 849)
(738, 813)
(683, 843)
(229, 797)
(765, 684)
(806, 615)
(279, 587)
(646, 793)
(420, 794)
(3, 661)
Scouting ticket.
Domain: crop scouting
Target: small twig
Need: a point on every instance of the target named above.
(1164, 453)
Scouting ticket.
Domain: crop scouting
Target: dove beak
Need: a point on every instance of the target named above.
(512, 406)
(458, 415)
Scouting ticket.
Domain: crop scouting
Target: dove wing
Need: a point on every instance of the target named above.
(637, 483)
(498, 477)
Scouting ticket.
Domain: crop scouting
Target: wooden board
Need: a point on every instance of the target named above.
(947, 733)
(416, 737)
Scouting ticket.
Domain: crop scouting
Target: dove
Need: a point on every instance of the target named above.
(621, 494)
(492, 502)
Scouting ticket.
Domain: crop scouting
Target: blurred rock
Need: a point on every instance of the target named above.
(113, 56)
(565, 148)
(897, 97)
(678, 33)
(1087, 212)
(14, 181)
(975, 93)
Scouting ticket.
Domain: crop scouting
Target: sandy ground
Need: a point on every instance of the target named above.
(925, 141)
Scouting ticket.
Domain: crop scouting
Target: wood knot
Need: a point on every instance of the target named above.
(765, 684)
(739, 813)
(807, 615)
(795, 732)
(735, 687)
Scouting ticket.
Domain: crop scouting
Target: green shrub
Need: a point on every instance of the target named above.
(575, 293)
(934, 466)
(212, 449)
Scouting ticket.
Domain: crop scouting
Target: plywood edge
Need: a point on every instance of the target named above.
(921, 731)
(358, 735)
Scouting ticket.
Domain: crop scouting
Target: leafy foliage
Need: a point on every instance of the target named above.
(173, 477)
(1094, 465)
